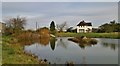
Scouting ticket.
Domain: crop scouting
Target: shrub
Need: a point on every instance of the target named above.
(93, 41)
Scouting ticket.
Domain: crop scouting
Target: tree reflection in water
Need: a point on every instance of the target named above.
(44, 41)
(62, 43)
(52, 43)
(81, 45)
(110, 45)
(28, 41)
(61, 50)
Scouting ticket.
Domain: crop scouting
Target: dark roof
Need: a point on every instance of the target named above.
(83, 23)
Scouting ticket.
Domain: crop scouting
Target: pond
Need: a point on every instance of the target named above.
(60, 51)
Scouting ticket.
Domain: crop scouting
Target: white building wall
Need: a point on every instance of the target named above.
(77, 29)
(84, 27)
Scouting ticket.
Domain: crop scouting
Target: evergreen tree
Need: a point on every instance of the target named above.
(52, 27)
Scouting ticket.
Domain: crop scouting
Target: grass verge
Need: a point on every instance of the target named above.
(13, 53)
(91, 35)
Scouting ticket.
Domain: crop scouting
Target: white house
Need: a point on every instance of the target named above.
(84, 27)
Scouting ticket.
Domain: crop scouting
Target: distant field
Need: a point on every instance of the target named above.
(91, 35)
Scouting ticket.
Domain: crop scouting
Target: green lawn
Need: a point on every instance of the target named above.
(91, 35)
(13, 53)
(0, 49)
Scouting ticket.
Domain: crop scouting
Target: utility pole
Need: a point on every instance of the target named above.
(36, 25)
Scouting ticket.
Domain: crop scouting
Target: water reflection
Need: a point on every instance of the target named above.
(28, 41)
(83, 46)
(43, 41)
(110, 45)
(60, 50)
(52, 43)
(62, 43)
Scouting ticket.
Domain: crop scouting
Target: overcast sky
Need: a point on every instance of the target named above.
(72, 12)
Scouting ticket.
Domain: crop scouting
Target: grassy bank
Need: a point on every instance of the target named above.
(13, 53)
(91, 35)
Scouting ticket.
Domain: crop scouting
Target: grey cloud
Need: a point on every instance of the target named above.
(72, 12)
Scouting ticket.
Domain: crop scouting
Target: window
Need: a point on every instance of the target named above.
(81, 30)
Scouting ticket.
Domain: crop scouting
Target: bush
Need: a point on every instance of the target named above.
(83, 40)
(93, 41)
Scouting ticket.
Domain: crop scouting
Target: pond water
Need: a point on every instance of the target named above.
(61, 51)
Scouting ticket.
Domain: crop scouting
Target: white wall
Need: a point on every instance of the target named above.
(84, 27)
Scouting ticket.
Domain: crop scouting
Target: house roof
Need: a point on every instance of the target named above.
(83, 23)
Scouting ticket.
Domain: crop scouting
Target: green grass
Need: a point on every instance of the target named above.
(91, 35)
(13, 53)
(0, 55)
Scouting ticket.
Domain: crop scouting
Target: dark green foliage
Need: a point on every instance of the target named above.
(109, 27)
(69, 29)
(52, 43)
(52, 26)
(95, 30)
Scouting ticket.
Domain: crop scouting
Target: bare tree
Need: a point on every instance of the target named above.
(62, 26)
(16, 24)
